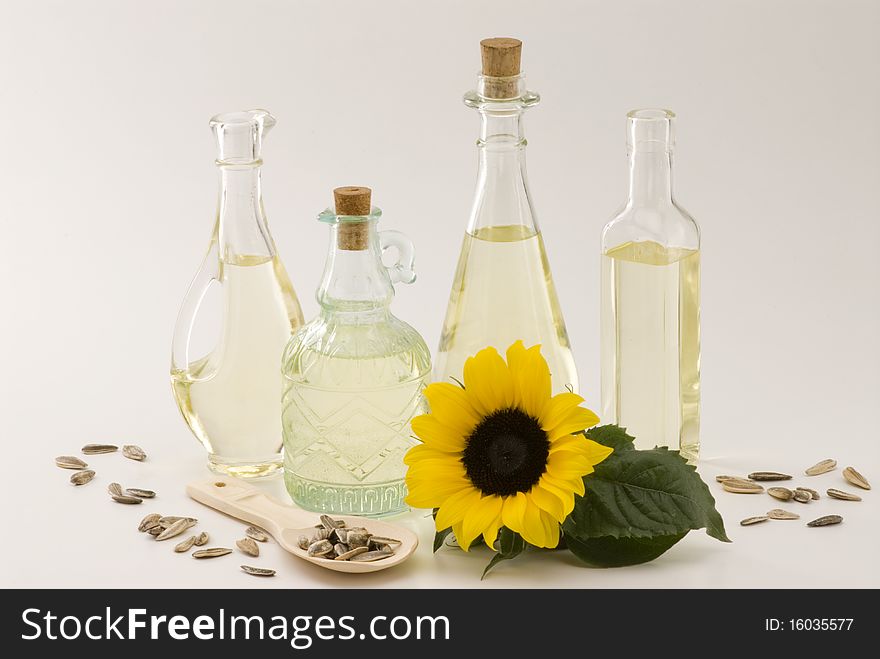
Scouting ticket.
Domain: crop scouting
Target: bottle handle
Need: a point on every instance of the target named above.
(208, 275)
(402, 270)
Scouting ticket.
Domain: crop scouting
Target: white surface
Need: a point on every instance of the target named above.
(108, 200)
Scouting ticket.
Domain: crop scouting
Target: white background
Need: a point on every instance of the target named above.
(108, 195)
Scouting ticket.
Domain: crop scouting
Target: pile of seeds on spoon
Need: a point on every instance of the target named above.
(332, 540)
(803, 495)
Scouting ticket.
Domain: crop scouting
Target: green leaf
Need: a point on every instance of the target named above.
(613, 436)
(510, 545)
(644, 494)
(617, 552)
(440, 537)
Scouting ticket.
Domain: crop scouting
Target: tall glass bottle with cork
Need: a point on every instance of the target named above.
(503, 290)
(237, 316)
(650, 309)
(353, 376)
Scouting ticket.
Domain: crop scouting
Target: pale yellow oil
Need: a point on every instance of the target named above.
(231, 398)
(503, 292)
(650, 339)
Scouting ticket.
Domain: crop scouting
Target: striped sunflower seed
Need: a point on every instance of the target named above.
(70, 462)
(186, 545)
(256, 533)
(149, 522)
(826, 520)
(814, 495)
(213, 552)
(82, 477)
(175, 529)
(370, 556)
(742, 487)
(133, 452)
(801, 496)
(781, 493)
(748, 521)
(779, 513)
(141, 494)
(201, 539)
(351, 553)
(843, 496)
(125, 499)
(258, 571)
(821, 467)
(248, 546)
(856, 478)
(769, 476)
(96, 449)
(115, 489)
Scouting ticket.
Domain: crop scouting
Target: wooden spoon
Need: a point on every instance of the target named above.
(286, 523)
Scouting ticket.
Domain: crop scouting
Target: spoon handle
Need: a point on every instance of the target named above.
(249, 504)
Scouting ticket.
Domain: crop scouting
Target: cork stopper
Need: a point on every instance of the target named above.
(501, 59)
(353, 201)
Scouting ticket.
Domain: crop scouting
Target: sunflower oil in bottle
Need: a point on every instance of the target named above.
(650, 301)
(353, 376)
(228, 390)
(503, 290)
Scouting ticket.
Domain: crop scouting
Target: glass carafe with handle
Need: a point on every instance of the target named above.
(650, 302)
(353, 376)
(237, 317)
(503, 290)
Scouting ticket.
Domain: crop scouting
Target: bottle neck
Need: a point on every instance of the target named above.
(650, 178)
(355, 282)
(241, 221)
(502, 195)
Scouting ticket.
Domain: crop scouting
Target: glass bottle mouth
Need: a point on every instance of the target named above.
(329, 216)
(501, 93)
(650, 130)
(240, 136)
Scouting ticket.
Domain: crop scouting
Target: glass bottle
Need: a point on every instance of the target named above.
(237, 316)
(650, 309)
(353, 376)
(503, 290)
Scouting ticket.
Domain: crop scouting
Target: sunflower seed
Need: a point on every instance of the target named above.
(256, 533)
(801, 496)
(133, 452)
(341, 535)
(781, 493)
(82, 477)
(721, 479)
(186, 545)
(380, 540)
(827, 520)
(201, 539)
(370, 556)
(115, 489)
(856, 478)
(149, 522)
(320, 548)
(321, 534)
(748, 521)
(95, 449)
(357, 538)
(327, 522)
(351, 553)
(141, 494)
(779, 513)
(248, 546)
(303, 542)
(813, 494)
(165, 522)
(70, 462)
(213, 552)
(155, 530)
(742, 487)
(768, 476)
(340, 548)
(258, 571)
(821, 467)
(125, 499)
(175, 529)
(843, 496)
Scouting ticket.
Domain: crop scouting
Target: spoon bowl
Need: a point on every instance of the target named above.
(286, 523)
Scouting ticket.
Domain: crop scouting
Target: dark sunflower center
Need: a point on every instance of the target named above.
(506, 453)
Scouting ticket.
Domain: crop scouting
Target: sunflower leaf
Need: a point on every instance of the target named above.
(440, 537)
(510, 545)
(653, 496)
(613, 436)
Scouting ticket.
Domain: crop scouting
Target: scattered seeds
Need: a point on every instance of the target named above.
(256, 533)
(742, 487)
(141, 494)
(82, 477)
(248, 546)
(148, 522)
(781, 493)
(213, 552)
(814, 495)
(768, 476)
(133, 452)
(826, 520)
(125, 499)
(779, 513)
(748, 521)
(821, 467)
(843, 496)
(856, 478)
(175, 529)
(801, 496)
(95, 449)
(201, 539)
(70, 462)
(258, 571)
(721, 479)
(115, 489)
(186, 545)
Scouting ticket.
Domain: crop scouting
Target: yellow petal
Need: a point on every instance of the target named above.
(547, 501)
(453, 510)
(565, 464)
(487, 381)
(478, 518)
(596, 452)
(436, 435)
(533, 381)
(516, 355)
(437, 471)
(513, 511)
(558, 408)
(451, 406)
(580, 418)
(570, 443)
(424, 452)
(491, 532)
(564, 494)
(533, 528)
(551, 530)
(432, 494)
(575, 485)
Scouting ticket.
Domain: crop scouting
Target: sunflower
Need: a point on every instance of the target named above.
(499, 450)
